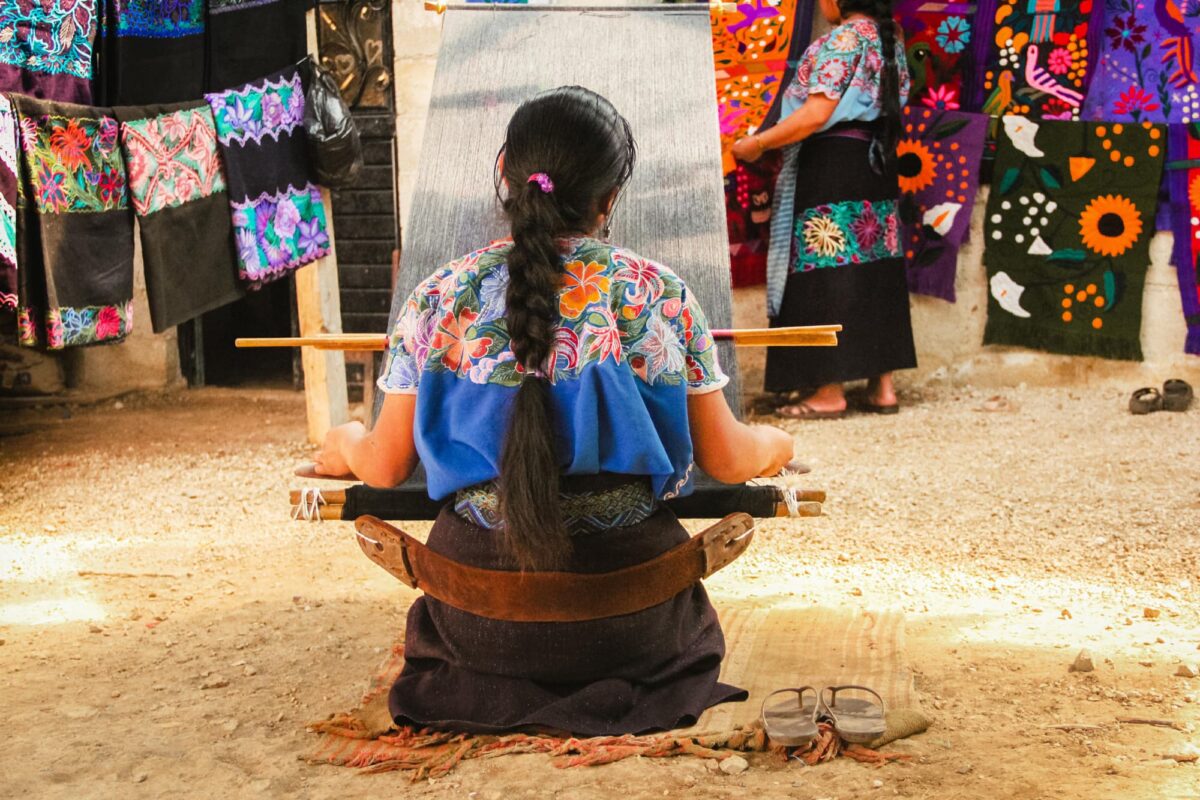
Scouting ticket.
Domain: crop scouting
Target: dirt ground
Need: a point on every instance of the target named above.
(145, 554)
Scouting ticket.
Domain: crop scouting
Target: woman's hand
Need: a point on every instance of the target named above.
(780, 447)
(333, 458)
(748, 149)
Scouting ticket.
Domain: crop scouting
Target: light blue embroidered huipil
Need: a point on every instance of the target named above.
(632, 344)
(844, 65)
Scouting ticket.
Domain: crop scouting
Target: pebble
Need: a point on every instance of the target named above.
(215, 682)
(115, 695)
(249, 670)
(95, 629)
(230, 726)
(1150, 613)
(877, 784)
(734, 765)
(1083, 662)
(140, 777)
(1187, 670)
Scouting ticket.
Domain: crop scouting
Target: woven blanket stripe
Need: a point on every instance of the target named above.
(1183, 176)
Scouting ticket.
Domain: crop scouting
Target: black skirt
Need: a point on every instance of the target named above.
(652, 670)
(869, 299)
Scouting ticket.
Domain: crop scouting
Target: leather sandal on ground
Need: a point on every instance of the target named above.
(856, 720)
(875, 408)
(1145, 400)
(805, 411)
(793, 722)
(1176, 395)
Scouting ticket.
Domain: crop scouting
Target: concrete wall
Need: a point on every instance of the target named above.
(949, 336)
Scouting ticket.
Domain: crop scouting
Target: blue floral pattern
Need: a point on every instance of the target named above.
(160, 19)
(848, 57)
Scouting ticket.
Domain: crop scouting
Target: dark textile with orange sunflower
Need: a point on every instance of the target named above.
(755, 52)
(1035, 57)
(1183, 175)
(1069, 222)
(938, 165)
(74, 227)
(937, 43)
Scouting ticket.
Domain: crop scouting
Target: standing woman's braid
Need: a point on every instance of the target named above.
(889, 79)
(566, 154)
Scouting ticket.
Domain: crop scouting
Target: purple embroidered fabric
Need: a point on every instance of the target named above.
(939, 177)
(1183, 177)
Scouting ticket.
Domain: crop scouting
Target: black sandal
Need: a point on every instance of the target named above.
(1176, 395)
(1145, 400)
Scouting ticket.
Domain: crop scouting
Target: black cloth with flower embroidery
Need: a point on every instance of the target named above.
(1069, 222)
(75, 227)
(847, 267)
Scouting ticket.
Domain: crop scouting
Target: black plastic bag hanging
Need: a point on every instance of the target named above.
(334, 145)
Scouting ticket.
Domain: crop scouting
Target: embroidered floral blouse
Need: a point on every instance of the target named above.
(632, 344)
(845, 65)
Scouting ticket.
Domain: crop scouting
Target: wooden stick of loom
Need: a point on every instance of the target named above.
(799, 336)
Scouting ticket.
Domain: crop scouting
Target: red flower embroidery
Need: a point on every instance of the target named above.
(453, 335)
(71, 145)
(108, 323)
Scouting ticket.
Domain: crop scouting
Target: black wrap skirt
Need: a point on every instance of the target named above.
(869, 295)
(655, 669)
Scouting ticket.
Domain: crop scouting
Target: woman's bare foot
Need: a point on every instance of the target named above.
(881, 392)
(826, 402)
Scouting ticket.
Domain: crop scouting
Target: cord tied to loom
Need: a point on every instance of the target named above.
(309, 507)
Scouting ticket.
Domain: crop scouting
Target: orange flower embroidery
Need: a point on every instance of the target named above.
(71, 145)
(582, 286)
(461, 349)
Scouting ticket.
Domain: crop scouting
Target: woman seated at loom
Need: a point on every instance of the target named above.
(556, 387)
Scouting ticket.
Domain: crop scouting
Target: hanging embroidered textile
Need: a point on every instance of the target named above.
(278, 215)
(152, 51)
(937, 40)
(75, 232)
(1183, 178)
(1069, 222)
(1149, 63)
(752, 51)
(1035, 57)
(46, 48)
(177, 187)
(8, 205)
(938, 165)
(250, 38)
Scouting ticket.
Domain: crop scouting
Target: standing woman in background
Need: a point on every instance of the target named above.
(846, 264)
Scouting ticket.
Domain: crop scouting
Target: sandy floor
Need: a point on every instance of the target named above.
(145, 555)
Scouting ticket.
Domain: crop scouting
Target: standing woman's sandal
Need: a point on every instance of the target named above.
(804, 411)
(1143, 401)
(856, 720)
(1176, 395)
(792, 724)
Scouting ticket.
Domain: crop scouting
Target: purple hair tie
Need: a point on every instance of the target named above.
(543, 181)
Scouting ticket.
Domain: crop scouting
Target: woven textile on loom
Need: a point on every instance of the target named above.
(752, 50)
(249, 38)
(151, 51)
(9, 170)
(46, 48)
(938, 163)
(672, 211)
(177, 186)
(937, 41)
(75, 230)
(278, 215)
(1148, 64)
(1069, 222)
(1035, 57)
(1183, 176)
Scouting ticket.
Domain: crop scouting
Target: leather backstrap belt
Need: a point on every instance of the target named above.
(554, 596)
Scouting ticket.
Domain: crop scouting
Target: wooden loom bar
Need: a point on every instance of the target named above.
(800, 336)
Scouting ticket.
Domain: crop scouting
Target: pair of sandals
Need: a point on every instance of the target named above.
(794, 723)
(1176, 395)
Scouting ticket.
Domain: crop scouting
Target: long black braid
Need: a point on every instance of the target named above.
(889, 81)
(585, 149)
